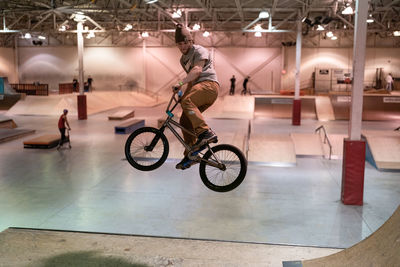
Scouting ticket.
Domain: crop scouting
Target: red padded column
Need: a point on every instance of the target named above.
(296, 116)
(353, 172)
(82, 109)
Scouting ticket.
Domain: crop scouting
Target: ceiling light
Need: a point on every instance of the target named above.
(334, 38)
(145, 34)
(42, 37)
(395, 33)
(258, 34)
(90, 35)
(196, 27)
(128, 27)
(79, 17)
(329, 34)
(370, 19)
(320, 28)
(206, 34)
(27, 35)
(348, 11)
(258, 28)
(63, 28)
(177, 14)
(263, 15)
(150, 1)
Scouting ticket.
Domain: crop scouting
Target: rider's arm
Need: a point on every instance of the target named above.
(193, 74)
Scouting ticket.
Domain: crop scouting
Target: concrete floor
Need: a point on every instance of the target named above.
(93, 188)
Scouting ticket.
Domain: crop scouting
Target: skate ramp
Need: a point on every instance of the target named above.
(96, 102)
(272, 150)
(231, 107)
(376, 107)
(383, 149)
(307, 144)
(281, 107)
(382, 248)
(324, 109)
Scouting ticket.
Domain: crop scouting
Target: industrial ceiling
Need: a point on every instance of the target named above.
(57, 18)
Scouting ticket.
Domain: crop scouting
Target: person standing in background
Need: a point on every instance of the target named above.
(62, 126)
(244, 91)
(389, 82)
(233, 81)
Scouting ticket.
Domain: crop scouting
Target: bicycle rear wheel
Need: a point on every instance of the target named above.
(146, 149)
(232, 173)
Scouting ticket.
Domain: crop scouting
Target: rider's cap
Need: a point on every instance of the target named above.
(65, 111)
(182, 34)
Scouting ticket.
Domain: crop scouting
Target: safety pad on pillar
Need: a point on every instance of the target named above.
(353, 172)
(296, 116)
(82, 107)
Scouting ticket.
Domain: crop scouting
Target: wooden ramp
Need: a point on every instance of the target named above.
(382, 248)
(272, 150)
(122, 114)
(307, 144)
(383, 149)
(43, 141)
(7, 123)
(324, 108)
(11, 134)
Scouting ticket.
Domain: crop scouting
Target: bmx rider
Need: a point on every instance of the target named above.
(200, 93)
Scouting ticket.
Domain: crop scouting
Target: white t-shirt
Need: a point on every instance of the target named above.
(389, 79)
(196, 54)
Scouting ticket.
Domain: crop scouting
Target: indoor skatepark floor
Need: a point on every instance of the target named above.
(92, 188)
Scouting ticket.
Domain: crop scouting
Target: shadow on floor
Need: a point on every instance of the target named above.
(88, 259)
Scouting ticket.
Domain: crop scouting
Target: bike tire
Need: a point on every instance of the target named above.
(236, 168)
(135, 151)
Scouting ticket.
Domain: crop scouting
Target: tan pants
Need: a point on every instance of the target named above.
(197, 99)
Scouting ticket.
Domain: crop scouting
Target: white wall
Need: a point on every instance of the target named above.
(115, 68)
(7, 65)
(311, 58)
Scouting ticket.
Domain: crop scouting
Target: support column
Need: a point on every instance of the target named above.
(296, 116)
(144, 65)
(82, 108)
(354, 148)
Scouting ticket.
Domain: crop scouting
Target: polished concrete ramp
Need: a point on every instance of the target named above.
(383, 149)
(272, 150)
(376, 107)
(307, 144)
(30, 247)
(96, 102)
(11, 134)
(280, 107)
(324, 109)
(382, 248)
(232, 107)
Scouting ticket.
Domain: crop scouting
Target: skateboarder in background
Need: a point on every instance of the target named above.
(244, 91)
(62, 126)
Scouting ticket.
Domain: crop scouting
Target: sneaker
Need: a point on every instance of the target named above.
(185, 163)
(203, 139)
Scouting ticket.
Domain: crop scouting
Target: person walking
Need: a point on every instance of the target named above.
(62, 126)
(200, 93)
(233, 81)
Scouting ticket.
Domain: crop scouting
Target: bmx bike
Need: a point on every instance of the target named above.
(222, 167)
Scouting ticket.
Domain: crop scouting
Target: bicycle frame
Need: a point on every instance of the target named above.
(169, 123)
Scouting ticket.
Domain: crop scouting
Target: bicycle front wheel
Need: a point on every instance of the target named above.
(146, 149)
(230, 174)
